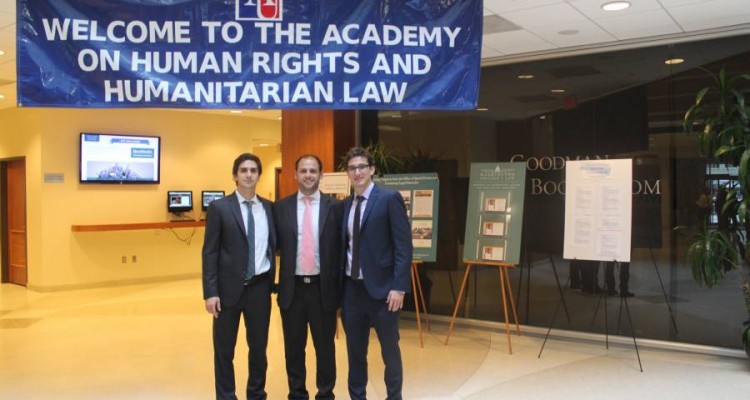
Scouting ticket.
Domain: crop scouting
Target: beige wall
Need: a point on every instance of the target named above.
(197, 153)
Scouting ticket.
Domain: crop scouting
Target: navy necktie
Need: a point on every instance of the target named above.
(355, 238)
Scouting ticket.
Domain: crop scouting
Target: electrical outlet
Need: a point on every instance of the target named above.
(134, 258)
(124, 259)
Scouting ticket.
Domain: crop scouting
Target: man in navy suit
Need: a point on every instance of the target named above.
(376, 274)
(238, 275)
(308, 225)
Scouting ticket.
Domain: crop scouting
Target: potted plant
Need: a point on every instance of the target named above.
(420, 160)
(719, 118)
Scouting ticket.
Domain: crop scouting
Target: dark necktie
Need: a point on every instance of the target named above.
(355, 238)
(250, 241)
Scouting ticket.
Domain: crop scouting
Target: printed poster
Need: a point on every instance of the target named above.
(494, 219)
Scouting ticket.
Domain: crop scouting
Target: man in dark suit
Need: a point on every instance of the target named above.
(238, 275)
(376, 275)
(309, 225)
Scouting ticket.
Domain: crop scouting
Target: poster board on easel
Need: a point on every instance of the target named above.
(494, 222)
(494, 215)
(420, 192)
(598, 210)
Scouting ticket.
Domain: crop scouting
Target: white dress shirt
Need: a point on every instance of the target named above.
(262, 262)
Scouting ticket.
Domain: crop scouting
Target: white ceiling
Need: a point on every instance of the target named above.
(554, 26)
(522, 30)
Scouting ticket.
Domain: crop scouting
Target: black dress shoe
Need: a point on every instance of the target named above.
(627, 294)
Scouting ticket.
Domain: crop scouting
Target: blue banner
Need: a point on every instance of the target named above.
(258, 54)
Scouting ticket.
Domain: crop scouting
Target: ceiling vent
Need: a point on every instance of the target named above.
(496, 24)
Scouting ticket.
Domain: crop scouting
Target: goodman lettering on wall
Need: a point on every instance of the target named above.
(544, 208)
(333, 54)
(540, 186)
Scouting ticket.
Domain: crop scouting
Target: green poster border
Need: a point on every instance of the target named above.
(494, 213)
(412, 183)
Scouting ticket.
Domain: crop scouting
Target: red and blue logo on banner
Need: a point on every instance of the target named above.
(260, 10)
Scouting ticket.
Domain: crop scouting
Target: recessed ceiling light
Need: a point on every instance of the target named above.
(2, 96)
(236, 111)
(526, 76)
(542, 117)
(568, 32)
(2, 53)
(557, 91)
(279, 118)
(615, 5)
(263, 145)
(482, 109)
(672, 61)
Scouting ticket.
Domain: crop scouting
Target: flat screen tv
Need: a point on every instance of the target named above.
(179, 201)
(109, 158)
(207, 196)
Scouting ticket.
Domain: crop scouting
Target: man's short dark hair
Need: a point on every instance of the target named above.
(358, 152)
(313, 156)
(245, 157)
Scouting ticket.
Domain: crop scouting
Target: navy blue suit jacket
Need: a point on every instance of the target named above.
(385, 247)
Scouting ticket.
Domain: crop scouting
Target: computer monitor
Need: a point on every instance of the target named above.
(179, 201)
(119, 159)
(207, 196)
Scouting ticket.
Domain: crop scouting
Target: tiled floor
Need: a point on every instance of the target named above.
(153, 342)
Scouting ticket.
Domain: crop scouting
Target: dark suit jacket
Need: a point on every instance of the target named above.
(225, 250)
(329, 233)
(385, 247)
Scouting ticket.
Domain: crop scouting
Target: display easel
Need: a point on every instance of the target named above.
(663, 291)
(507, 295)
(606, 320)
(416, 289)
(528, 284)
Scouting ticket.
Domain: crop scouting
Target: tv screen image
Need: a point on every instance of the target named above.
(107, 158)
(179, 201)
(208, 196)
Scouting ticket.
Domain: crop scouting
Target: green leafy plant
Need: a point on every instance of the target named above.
(719, 116)
(719, 119)
(710, 255)
(385, 161)
(420, 161)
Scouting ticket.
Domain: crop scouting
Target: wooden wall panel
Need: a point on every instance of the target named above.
(345, 127)
(15, 234)
(325, 133)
